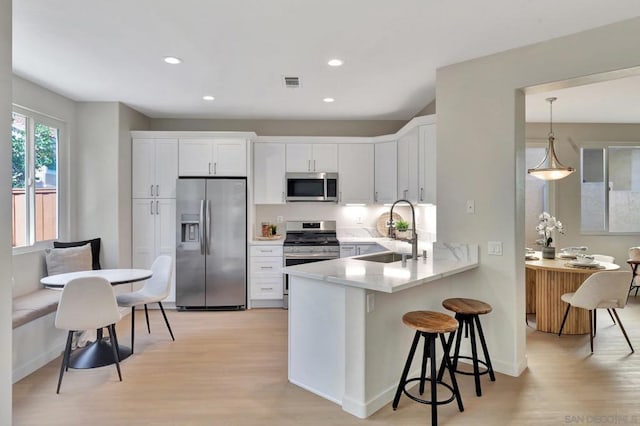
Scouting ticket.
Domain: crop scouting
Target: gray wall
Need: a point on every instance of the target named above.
(284, 127)
(5, 212)
(569, 138)
(481, 130)
(427, 110)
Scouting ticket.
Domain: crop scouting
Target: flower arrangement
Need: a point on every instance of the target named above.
(547, 225)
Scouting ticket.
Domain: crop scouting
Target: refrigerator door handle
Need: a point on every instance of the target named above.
(201, 226)
(208, 227)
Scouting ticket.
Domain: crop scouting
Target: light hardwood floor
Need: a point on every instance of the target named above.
(230, 368)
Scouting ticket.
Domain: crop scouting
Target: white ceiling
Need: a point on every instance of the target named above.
(238, 50)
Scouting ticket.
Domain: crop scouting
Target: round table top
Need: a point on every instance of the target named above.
(114, 276)
(564, 265)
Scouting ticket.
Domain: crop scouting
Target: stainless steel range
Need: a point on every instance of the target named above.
(306, 242)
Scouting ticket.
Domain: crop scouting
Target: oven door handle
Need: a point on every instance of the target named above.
(311, 256)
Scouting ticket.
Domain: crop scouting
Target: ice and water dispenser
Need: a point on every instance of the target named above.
(190, 231)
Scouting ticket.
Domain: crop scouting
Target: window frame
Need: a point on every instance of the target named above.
(61, 171)
(605, 145)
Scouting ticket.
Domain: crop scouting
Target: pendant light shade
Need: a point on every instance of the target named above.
(550, 168)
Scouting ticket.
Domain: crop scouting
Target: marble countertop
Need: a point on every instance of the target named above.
(442, 260)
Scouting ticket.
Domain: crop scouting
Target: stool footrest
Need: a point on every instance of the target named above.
(454, 361)
(428, 402)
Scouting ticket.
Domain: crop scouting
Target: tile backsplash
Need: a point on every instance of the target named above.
(352, 221)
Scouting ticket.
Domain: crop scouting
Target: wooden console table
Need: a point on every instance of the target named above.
(546, 281)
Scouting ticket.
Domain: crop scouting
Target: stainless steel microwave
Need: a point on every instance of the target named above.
(312, 187)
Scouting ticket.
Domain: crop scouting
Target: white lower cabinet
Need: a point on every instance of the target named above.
(154, 233)
(348, 250)
(265, 277)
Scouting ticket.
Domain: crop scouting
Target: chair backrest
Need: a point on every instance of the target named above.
(87, 303)
(160, 282)
(604, 258)
(603, 286)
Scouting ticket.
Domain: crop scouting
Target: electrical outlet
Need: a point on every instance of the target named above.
(494, 248)
(279, 219)
(471, 206)
(359, 220)
(371, 302)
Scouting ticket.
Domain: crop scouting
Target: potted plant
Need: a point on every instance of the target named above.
(402, 226)
(545, 229)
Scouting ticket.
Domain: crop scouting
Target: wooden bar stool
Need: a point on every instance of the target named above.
(429, 325)
(467, 313)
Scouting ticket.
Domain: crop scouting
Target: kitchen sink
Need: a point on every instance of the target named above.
(383, 257)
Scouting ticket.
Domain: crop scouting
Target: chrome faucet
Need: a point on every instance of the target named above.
(414, 235)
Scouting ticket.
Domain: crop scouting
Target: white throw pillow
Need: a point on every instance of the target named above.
(72, 259)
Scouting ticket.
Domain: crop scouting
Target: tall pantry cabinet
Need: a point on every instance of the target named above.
(153, 188)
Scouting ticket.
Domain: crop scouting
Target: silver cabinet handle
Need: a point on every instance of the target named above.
(209, 168)
(157, 208)
(157, 190)
(375, 196)
(266, 251)
(266, 267)
(215, 168)
(150, 207)
(405, 193)
(283, 196)
(314, 165)
(266, 288)
(151, 191)
(309, 166)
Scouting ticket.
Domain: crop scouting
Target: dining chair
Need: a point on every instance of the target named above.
(155, 290)
(87, 303)
(602, 290)
(603, 258)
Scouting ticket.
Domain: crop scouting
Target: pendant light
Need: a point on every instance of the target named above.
(550, 168)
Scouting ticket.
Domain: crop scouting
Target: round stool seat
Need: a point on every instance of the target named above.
(430, 322)
(463, 306)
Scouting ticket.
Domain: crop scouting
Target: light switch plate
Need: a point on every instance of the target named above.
(494, 248)
(471, 206)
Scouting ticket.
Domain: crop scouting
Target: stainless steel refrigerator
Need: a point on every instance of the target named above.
(211, 243)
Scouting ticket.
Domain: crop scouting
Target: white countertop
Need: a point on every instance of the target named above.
(442, 260)
(277, 242)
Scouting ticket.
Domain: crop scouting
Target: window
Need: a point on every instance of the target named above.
(610, 189)
(34, 179)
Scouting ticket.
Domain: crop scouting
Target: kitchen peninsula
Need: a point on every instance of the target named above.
(347, 342)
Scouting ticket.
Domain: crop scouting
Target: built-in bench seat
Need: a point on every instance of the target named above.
(36, 304)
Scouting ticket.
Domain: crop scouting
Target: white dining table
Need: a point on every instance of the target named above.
(114, 276)
(99, 352)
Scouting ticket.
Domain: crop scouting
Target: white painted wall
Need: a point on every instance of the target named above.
(5, 212)
(481, 127)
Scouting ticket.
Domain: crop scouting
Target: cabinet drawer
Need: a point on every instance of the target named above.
(266, 288)
(266, 265)
(266, 251)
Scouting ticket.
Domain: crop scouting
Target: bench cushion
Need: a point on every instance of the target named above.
(34, 305)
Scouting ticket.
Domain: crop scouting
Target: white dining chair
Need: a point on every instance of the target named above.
(87, 303)
(602, 290)
(155, 290)
(603, 258)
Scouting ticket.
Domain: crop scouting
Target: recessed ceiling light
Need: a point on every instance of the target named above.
(208, 98)
(335, 63)
(328, 100)
(172, 60)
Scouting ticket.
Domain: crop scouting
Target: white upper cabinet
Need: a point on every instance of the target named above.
(355, 173)
(154, 168)
(408, 165)
(312, 157)
(427, 165)
(268, 173)
(213, 157)
(386, 172)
